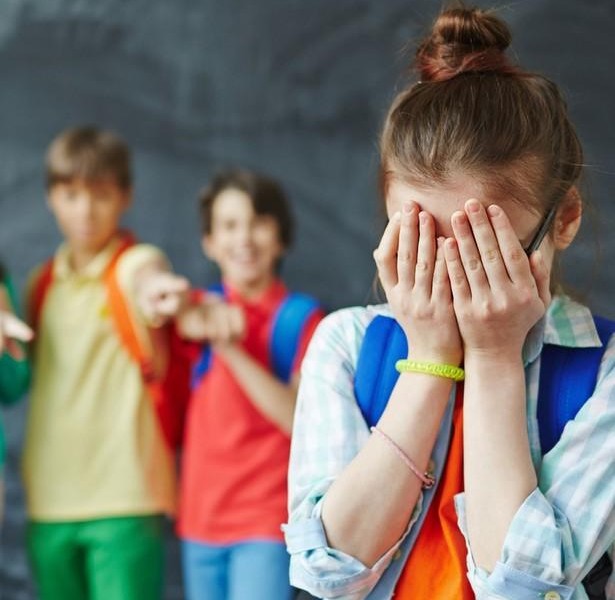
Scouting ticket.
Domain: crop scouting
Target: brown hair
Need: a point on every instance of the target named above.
(88, 153)
(268, 198)
(474, 111)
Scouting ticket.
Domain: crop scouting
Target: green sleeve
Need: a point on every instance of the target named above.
(14, 374)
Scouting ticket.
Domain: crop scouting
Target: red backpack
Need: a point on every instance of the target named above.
(169, 391)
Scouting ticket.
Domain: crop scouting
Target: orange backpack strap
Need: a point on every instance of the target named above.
(122, 317)
(167, 390)
(40, 287)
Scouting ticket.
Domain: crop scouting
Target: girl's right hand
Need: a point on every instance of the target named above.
(413, 273)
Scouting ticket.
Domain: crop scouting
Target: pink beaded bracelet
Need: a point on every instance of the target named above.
(427, 478)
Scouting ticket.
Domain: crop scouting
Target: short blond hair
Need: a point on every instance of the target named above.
(88, 153)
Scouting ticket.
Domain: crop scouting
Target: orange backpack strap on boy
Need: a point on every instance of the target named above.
(130, 336)
(168, 387)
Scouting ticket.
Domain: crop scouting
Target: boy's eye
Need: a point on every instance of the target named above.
(71, 194)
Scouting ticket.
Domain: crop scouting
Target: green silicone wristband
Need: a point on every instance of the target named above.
(407, 365)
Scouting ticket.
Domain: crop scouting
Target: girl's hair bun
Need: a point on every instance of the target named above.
(464, 40)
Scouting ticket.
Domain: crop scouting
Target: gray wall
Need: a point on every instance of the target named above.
(296, 89)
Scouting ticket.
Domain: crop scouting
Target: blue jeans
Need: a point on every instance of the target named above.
(257, 570)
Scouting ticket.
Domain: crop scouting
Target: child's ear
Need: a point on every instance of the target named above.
(568, 219)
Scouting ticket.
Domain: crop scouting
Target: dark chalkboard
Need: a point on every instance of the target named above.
(294, 88)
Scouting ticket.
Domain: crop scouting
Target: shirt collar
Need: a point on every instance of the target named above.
(566, 323)
(267, 300)
(62, 268)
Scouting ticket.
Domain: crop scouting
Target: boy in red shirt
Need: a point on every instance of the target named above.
(233, 487)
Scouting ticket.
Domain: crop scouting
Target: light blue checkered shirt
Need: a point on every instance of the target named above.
(563, 527)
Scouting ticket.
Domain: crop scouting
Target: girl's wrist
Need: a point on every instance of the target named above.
(436, 369)
(435, 356)
(492, 359)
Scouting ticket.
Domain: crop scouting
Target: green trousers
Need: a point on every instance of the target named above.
(103, 559)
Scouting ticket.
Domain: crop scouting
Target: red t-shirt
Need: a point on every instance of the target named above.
(235, 461)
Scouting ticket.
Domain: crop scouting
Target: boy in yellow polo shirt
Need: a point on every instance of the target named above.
(97, 471)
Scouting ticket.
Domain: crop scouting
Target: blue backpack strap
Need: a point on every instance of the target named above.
(286, 330)
(384, 343)
(202, 365)
(567, 380)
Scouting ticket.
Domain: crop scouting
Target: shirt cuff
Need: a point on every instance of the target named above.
(508, 581)
(329, 573)
(326, 572)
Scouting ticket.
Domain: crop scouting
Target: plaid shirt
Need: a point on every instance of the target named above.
(562, 528)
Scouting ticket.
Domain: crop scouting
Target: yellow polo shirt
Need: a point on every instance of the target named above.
(93, 444)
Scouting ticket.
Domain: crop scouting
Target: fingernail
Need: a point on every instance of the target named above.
(494, 210)
(406, 208)
(458, 217)
(473, 205)
(423, 218)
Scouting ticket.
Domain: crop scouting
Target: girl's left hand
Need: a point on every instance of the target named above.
(498, 294)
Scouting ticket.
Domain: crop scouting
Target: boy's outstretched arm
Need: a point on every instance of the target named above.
(12, 329)
(214, 321)
(271, 396)
(14, 369)
(208, 318)
(159, 293)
